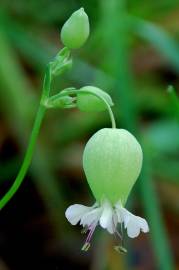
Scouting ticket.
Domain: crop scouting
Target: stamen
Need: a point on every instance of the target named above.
(115, 229)
(121, 227)
(88, 239)
(122, 235)
(91, 229)
(85, 247)
(120, 249)
(84, 230)
(118, 234)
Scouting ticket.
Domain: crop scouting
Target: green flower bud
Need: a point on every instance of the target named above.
(112, 162)
(88, 102)
(75, 31)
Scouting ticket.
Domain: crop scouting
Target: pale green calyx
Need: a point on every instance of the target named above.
(76, 29)
(112, 161)
(91, 99)
(61, 62)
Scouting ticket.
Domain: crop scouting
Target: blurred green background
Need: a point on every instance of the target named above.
(132, 53)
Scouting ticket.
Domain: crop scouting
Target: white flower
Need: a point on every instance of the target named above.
(132, 223)
(107, 217)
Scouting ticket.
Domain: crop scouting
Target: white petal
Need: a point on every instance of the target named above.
(119, 212)
(143, 224)
(134, 224)
(106, 219)
(75, 212)
(91, 217)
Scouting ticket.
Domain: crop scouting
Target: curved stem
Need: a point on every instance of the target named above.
(111, 115)
(35, 131)
(72, 91)
(27, 159)
(107, 105)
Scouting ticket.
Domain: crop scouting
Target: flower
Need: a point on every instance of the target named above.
(108, 217)
(88, 102)
(112, 162)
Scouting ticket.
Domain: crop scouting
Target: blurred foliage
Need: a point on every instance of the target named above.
(132, 52)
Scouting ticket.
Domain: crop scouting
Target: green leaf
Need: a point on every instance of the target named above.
(163, 136)
(174, 100)
(159, 38)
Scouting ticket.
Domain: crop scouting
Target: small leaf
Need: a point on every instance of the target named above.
(159, 38)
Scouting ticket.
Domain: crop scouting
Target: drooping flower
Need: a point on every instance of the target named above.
(88, 102)
(112, 162)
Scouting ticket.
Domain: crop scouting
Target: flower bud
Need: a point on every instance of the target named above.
(112, 162)
(89, 102)
(75, 31)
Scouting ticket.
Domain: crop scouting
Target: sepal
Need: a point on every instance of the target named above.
(61, 62)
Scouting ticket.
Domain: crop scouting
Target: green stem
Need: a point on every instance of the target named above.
(27, 159)
(110, 114)
(107, 105)
(29, 153)
(71, 92)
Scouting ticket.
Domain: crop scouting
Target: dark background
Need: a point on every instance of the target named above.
(132, 53)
